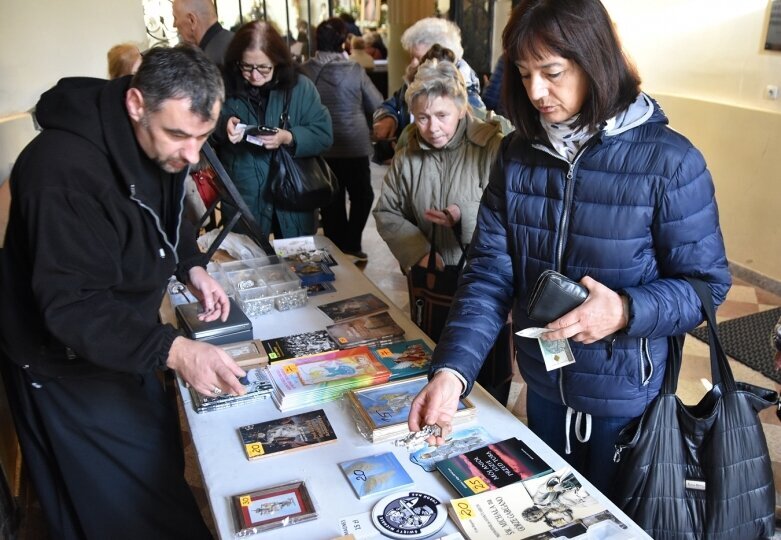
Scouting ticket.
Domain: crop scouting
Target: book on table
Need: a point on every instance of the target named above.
(371, 330)
(381, 411)
(405, 358)
(287, 434)
(299, 382)
(355, 306)
(554, 505)
(492, 466)
(298, 345)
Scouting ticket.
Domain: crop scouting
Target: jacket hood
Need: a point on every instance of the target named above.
(94, 110)
(642, 110)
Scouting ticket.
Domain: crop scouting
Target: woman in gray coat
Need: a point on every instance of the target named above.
(351, 98)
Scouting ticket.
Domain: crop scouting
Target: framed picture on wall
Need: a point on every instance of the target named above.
(773, 39)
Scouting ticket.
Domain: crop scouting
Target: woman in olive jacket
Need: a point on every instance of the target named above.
(259, 74)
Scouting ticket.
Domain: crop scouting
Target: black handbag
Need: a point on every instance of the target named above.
(431, 291)
(301, 183)
(553, 296)
(699, 471)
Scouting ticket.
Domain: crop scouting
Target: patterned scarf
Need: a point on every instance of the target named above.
(564, 139)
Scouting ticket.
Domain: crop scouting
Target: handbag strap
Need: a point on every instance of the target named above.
(432, 254)
(283, 118)
(720, 368)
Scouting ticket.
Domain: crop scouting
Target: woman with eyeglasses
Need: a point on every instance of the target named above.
(259, 73)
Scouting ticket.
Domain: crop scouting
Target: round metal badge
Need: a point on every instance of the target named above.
(409, 514)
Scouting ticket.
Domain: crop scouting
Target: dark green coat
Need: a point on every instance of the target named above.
(248, 164)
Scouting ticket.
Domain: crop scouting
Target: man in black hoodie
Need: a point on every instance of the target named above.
(94, 233)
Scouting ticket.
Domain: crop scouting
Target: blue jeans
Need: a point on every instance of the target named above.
(594, 458)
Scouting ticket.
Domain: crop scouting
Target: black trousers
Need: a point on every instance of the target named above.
(345, 230)
(104, 455)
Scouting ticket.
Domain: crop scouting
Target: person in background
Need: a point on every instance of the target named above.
(492, 93)
(349, 23)
(260, 73)
(375, 47)
(123, 59)
(393, 116)
(359, 55)
(196, 22)
(592, 184)
(94, 234)
(350, 97)
(439, 174)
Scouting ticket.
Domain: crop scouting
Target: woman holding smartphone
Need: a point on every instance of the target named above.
(259, 74)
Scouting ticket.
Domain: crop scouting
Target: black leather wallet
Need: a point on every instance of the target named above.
(554, 295)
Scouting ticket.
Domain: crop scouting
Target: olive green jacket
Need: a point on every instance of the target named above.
(422, 177)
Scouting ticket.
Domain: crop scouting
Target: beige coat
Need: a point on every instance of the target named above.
(422, 177)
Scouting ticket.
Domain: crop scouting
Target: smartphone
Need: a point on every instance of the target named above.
(257, 131)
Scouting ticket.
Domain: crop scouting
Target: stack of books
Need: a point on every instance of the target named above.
(300, 382)
(257, 386)
(361, 321)
(381, 411)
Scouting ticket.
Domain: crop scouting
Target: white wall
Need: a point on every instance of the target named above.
(704, 60)
(42, 41)
(711, 50)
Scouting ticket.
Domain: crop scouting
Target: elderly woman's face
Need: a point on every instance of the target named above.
(437, 119)
(557, 87)
(256, 68)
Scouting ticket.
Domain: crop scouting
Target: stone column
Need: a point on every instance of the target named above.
(401, 15)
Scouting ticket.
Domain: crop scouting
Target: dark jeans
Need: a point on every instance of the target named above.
(594, 458)
(355, 181)
(104, 455)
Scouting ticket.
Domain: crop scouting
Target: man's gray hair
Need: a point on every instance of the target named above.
(179, 72)
(433, 30)
(438, 79)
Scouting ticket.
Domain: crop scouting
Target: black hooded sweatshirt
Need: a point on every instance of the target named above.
(87, 256)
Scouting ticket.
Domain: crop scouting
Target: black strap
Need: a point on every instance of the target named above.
(720, 369)
(432, 254)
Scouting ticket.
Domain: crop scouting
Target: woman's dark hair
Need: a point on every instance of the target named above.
(580, 31)
(258, 35)
(331, 34)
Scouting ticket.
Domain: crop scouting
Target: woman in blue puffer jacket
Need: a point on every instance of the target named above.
(592, 184)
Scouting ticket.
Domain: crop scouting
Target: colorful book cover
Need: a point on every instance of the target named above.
(404, 359)
(551, 506)
(285, 434)
(493, 466)
(298, 345)
(457, 443)
(334, 368)
(356, 306)
(389, 404)
(375, 475)
(367, 330)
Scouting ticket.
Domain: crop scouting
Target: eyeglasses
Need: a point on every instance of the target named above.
(262, 69)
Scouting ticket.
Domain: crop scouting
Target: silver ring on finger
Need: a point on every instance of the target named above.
(217, 391)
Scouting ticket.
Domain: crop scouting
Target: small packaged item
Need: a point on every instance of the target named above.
(237, 328)
(272, 507)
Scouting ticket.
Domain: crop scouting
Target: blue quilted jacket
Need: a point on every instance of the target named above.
(635, 211)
